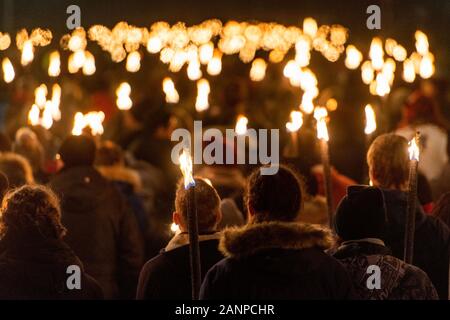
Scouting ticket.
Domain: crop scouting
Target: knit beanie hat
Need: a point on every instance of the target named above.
(361, 214)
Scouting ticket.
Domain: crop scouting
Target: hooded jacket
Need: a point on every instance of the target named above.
(276, 260)
(431, 240)
(398, 280)
(37, 269)
(102, 230)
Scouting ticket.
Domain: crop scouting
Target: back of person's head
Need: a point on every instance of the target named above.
(78, 151)
(442, 208)
(276, 197)
(388, 161)
(27, 144)
(5, 143)
(4, 185)
(109, 154)
(16, 168)
(208, 205)
(31, 212)
(361, 214)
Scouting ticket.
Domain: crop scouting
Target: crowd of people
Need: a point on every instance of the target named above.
(116, 208)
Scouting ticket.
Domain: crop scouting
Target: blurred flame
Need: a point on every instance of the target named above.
(399, 53)
(40, 95)
(133, 62)
(93, 120)
(203, 89)
(170, 91)
(353, 57)
(320, 114)
(310, 27)
(8, 70)
(215, 64)
(27, 53)
(258, 69)
(422, 45)
(241, 125)
(186, 168)
(413, 148)
(367, 72)
(206, 52)
(123, 100)
(296, 121)
(55, 102)
(89, 65)
(193, 70)
(154, 44)
(409, 74)
(54, 68)
(376, 53)
(427, 66)
(47, 115)
(33, 115)
(371, 123)
(174, 228)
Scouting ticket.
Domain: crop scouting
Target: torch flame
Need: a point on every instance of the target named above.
(421, 42)
(93, 120)
(320, 114)
(203, 89)
(33, 115)
(8, 70)
(258, 69)
(170, 91)
(40, 95)
(215, 64)
(296, 121)
(54, 68)
(123, 96)
(27, 53)
(371, 123)
(241, 125)
(185, 161)
(353, 57)
(133, 62)
(413, 148)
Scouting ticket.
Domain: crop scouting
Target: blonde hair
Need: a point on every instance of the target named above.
(208, 204)
(388, 161)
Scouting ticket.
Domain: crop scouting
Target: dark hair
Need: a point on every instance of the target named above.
(31, 211)
(276, 197)
(442, 208)
(208, 204)
(78, 151)
(108, 154)
(5, 142)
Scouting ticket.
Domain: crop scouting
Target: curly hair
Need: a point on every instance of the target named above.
(31, 210)
(277, 197)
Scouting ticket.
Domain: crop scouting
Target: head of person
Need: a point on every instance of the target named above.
(27, 144)
(5, 143)
(78, 151)
(276, 197)
(109, 154)
(31, 212)
(388, 162)
(442, 208)
(361, 214)
(208, 206)
(16, 168)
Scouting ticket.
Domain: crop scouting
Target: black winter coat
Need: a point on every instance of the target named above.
(102, 230)
(268, 261)
(37, 269)
(168, 275)
(431, 240)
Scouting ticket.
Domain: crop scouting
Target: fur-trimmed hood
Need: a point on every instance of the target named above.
(244, 241)
(123, 174)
